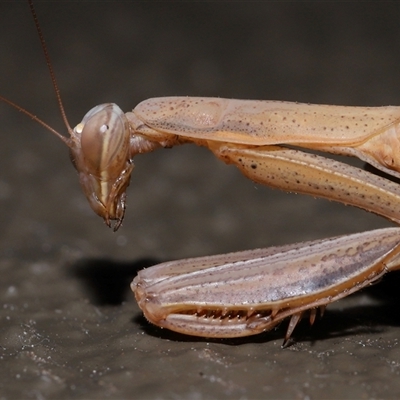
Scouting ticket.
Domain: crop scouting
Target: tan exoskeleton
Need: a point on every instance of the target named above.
(245, 293)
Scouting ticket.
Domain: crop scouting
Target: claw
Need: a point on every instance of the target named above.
(294, 320)
(313, 315)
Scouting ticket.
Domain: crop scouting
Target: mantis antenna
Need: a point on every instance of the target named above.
(99, 149)
(67, 141)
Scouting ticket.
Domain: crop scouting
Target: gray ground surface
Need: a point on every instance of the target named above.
(70, 327)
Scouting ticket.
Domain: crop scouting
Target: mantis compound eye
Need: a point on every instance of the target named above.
(100, 154)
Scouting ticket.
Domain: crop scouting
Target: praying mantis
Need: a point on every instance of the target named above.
(245, 293)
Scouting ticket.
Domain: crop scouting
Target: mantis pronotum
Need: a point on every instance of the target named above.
(249, 292)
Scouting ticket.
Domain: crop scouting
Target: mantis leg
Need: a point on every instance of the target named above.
(246, 293)
(295, 171)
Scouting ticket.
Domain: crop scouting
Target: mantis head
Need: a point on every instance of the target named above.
(99, 149)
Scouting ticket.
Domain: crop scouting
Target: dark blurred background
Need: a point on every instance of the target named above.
(181, 202)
